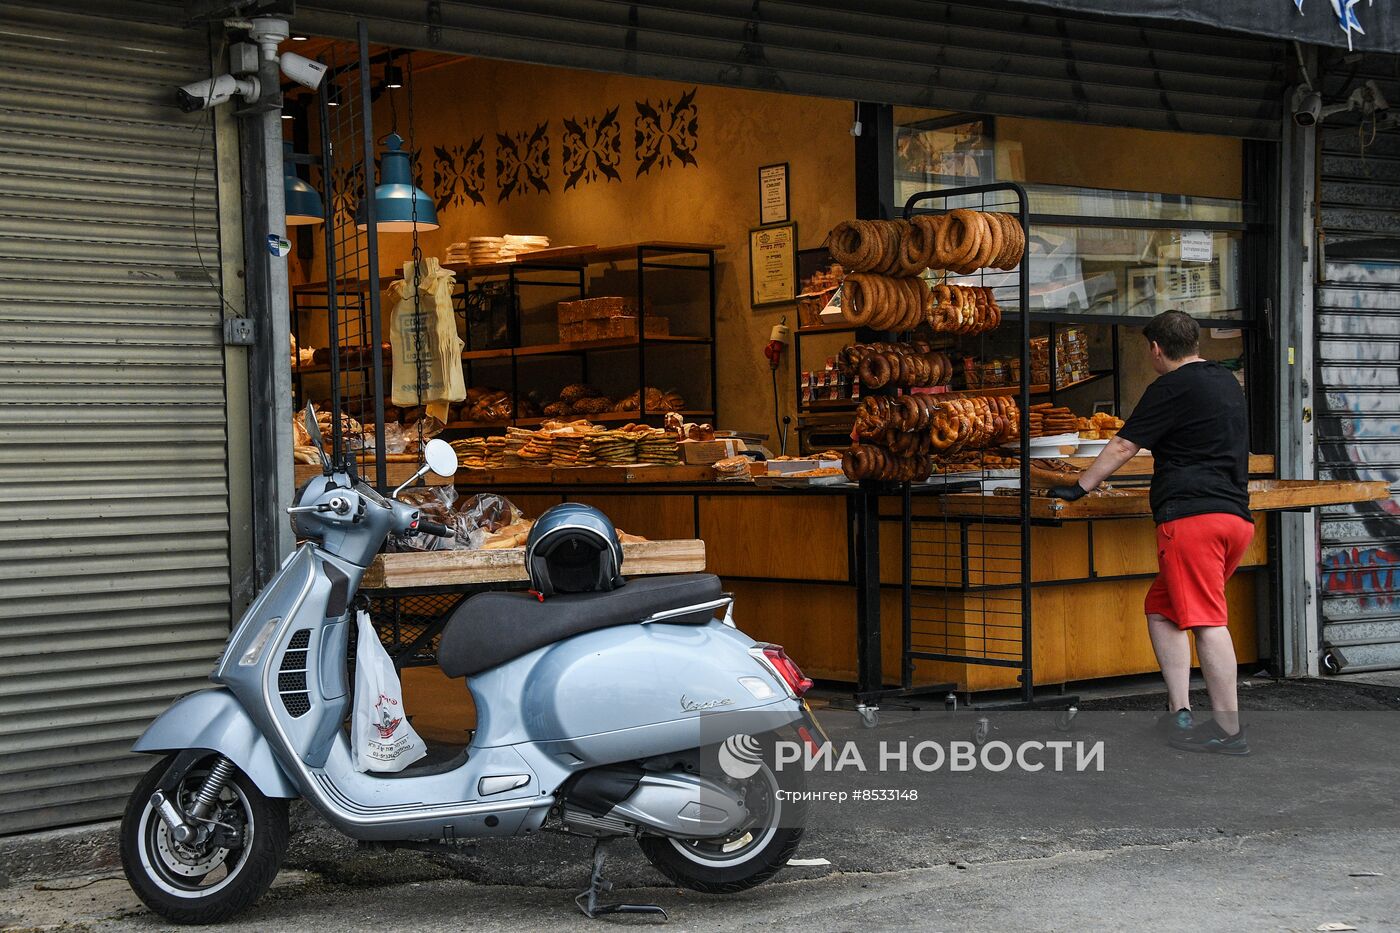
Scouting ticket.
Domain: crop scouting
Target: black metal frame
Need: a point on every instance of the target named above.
(515, 352)
(870, 690)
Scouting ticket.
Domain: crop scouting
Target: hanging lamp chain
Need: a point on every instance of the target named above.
(421, 368)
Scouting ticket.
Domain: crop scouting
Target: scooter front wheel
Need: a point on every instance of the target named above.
(749, 856)
(219, 874)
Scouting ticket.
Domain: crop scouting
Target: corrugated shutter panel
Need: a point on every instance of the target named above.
(1358, 354)
(114, 563)
(977, 57)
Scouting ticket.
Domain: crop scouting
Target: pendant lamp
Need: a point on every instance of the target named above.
(303, 203)
(396, 201)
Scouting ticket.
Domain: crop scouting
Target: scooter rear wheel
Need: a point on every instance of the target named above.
(217, 879)
(747, 857)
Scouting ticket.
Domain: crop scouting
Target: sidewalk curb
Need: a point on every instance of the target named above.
(55, 853)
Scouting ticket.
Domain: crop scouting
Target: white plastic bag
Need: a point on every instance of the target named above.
(381, 738)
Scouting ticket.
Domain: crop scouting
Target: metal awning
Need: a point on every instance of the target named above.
(1362, 25)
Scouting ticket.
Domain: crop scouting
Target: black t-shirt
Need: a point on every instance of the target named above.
(1193, 420)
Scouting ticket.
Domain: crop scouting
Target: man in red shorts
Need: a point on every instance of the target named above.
(1193, 420)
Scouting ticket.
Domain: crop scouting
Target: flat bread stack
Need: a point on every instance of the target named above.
(484, 250)
(571, 450)
(658, 446)
(538, 450)
(615, 447)
(503, 451)
(471, 452)
(515, 245)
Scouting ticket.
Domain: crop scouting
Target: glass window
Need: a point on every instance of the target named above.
(1164, 230)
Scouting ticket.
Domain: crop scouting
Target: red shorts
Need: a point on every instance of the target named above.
(1195, 556)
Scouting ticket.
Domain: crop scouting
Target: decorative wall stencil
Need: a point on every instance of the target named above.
(592, 149)
(522, 162)
(667, 131)
(459, 174)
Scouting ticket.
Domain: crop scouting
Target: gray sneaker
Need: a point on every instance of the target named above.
(1209, 737)
(1169, 725)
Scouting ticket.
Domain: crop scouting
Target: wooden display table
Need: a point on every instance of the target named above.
(1265, 495)
(416, 570)
(586, 475)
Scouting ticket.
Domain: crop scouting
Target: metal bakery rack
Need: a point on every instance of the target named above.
(964, 566)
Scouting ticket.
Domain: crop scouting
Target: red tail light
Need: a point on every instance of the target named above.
(787, 669)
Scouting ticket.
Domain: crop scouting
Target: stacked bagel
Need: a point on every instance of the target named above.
(963, 309)
(884, 288)
(898, 437)
(895, 364)
(961, 241)
(884, 302)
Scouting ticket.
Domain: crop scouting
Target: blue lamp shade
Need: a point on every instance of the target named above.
(303, 203)
(397, 203)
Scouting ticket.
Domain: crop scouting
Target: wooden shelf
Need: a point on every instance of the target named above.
(1044, 389)
(1264, 495)
(607, 416)
(612, 343)
(809, 330)
(581, 256)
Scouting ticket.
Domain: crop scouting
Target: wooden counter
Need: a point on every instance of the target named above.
(786, 555)
(1265, 495)
(507, 565)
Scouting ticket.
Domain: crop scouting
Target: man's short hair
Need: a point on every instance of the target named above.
(1176, 332)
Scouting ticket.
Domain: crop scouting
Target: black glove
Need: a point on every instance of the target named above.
(1068, 493)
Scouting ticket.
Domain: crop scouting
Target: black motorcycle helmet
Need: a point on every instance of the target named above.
(573, 548)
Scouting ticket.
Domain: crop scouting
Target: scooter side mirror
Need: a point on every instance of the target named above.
(440, 456)
(313, 430)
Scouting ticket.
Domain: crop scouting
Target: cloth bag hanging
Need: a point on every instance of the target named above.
(381, 738)
(431, 359)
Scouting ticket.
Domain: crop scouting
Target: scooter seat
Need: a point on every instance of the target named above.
(492, 628)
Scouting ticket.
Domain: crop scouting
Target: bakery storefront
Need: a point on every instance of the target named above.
(637, 272)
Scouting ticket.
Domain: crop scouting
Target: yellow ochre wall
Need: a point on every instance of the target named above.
(714, 200)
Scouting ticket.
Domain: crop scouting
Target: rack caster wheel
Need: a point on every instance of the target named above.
(982, 730)
(950, 702)
(869, 716)
(1065, 721)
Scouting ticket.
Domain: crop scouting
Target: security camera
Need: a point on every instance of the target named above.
(304, 71)
(1307, 107)
(211, 92)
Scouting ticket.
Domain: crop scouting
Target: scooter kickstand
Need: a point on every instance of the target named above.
(588, 900)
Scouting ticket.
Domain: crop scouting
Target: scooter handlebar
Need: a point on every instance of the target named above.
(429, 527)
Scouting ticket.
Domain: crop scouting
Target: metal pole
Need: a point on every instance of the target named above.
(1024, 281)
(269, 363)
(1297, 532)
(381, 479)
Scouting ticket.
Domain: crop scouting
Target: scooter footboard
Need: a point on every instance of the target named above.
(215, 720)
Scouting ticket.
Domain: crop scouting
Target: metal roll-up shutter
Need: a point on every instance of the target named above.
(114, 548)
(963, 56)
(1358, 357)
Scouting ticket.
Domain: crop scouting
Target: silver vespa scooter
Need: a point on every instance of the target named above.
(597, 713)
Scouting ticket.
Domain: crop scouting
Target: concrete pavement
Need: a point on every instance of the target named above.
(1300, 834)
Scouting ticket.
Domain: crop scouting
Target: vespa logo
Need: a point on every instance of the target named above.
(691, 706)
(740, 756)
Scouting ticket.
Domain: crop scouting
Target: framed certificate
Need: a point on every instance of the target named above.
(773, 265)
(773, 194)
